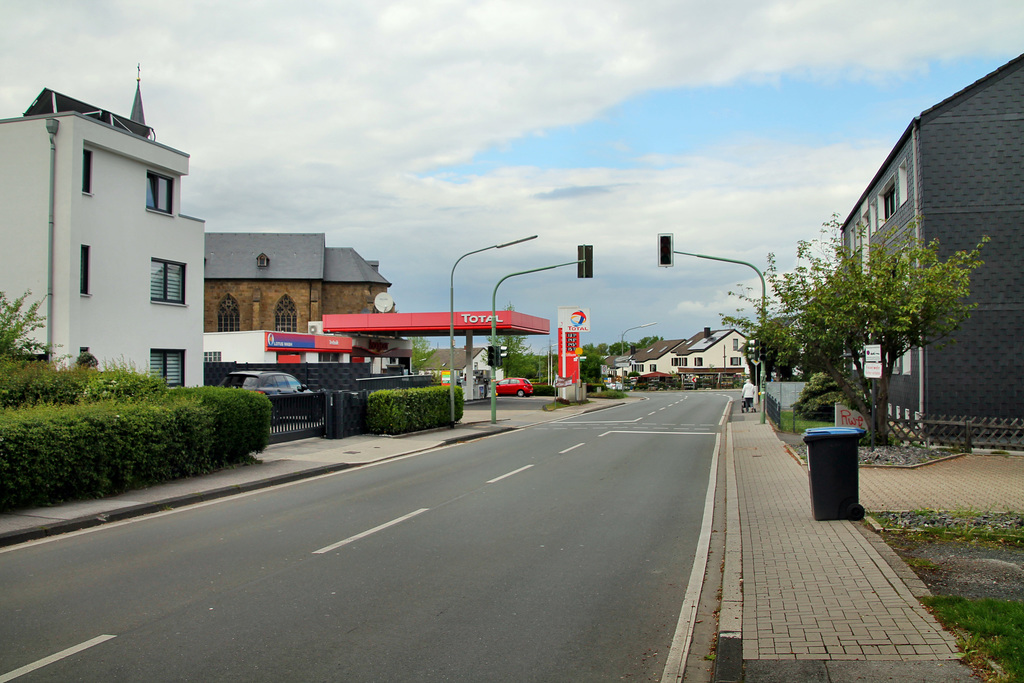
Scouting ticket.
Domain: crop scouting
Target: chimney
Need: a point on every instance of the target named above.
(707, 332)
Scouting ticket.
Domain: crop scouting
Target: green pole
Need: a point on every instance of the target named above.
(764, 296)
(494, 327)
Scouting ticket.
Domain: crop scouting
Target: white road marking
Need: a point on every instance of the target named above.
(570, 448)
(366, 533)
(28, 668)
(644, 431)
(510, 474)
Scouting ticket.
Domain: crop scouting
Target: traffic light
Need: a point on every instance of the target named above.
(491, 357)
(502, 353)
(585, 260)
(665, 250)
(753, 350)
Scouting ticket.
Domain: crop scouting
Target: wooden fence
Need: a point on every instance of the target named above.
(964, 432)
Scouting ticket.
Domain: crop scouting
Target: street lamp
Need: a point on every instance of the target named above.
(451, 320)
(622, 338)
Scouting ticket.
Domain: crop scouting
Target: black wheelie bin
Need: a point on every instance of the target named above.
(832, 472)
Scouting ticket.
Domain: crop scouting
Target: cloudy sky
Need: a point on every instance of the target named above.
(416, 131)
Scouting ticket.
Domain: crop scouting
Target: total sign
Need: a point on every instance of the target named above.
(574, 319)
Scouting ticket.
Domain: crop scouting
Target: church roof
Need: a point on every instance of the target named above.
(53, 102)
(288, 256)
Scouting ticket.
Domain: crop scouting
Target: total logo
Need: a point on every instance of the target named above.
(578, 319)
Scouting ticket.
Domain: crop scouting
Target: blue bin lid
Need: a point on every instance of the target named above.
(836, 431)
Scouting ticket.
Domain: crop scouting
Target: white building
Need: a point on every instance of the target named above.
(91, 215)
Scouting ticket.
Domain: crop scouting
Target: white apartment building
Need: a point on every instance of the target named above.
(91, 221)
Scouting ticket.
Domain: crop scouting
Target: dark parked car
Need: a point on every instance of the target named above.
(515, 386)
(265, 382)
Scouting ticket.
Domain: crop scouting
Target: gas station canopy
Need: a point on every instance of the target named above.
(434, 324)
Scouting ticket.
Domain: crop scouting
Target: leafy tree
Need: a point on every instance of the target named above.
(518, 362)
(422, 350)
(590, 365)
(16, 326)
(897, 294)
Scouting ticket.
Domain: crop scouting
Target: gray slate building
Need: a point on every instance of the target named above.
(958, 169)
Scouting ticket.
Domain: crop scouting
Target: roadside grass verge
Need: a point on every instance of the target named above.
(790, 422)
(990, 632)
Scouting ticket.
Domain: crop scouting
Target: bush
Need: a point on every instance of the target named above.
(241, 420)
(544, 390)
(398, 411)
(610, 393)
(24, 383)
(49, 454)
(817, 400)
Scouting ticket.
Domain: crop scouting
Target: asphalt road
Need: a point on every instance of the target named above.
(555, 553)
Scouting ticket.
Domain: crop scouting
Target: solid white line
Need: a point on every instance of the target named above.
(676, 660)
(642, 431)
(510, 474)
(53, 658)
(570, 448)
(366, 533)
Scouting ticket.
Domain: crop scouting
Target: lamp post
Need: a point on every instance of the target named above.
(451, 321)
(622, 339)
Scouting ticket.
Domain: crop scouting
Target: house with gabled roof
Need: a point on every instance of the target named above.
(283, 281)
(707, 352)
(955, 175)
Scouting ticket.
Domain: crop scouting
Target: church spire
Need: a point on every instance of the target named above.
(138, 115)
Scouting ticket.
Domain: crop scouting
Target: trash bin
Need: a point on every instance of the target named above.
(832, 472)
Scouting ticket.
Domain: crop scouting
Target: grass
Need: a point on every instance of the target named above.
(801, 424)
(989, 631)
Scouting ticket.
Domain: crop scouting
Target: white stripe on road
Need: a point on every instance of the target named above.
(641, 431)
(510, 474)
(28, 668)
(570, 448)
(366, 533)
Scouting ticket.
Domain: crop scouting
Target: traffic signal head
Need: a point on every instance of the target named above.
(490, 356)
(585, 260)
(753, 350)
(665, 250)
(502, 353)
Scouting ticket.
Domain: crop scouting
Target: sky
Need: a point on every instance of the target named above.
(417, 131)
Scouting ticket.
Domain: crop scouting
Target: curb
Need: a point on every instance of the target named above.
(57, 528)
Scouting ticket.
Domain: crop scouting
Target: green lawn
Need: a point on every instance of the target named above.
(988, 630)
(798, 427)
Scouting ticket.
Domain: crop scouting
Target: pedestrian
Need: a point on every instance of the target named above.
(749, 392)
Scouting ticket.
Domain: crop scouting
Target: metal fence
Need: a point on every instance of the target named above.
(297, 416)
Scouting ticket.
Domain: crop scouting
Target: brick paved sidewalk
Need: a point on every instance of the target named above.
(816, 590)
(978, 482)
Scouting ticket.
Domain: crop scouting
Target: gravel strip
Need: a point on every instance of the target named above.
(888, 455)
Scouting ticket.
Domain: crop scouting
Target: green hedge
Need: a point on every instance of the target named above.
(241, 420)
(26, 383)
(398, 411)
(50, 454)
(544, 390)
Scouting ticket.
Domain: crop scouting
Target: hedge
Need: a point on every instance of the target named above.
(241, 420)
(25, 383)
(398, 411)
(544, 390)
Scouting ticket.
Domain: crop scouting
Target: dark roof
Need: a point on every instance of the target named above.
(52, 102)
(965, 92)
(438, 360)
(656, 350)
(290, 256)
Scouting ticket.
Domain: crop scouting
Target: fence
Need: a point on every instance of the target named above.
(962, 432)
(779, 396)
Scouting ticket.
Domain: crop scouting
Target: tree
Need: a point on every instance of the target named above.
(17, 325)
(422, 350)
(518, 361)
(590, 365)
(897, 294)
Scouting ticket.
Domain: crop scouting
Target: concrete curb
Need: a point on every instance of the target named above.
(729, 651)
(57, 528)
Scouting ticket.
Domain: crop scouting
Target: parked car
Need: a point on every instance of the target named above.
(265, 382)
(515, 386)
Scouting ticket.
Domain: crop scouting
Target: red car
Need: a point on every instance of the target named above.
(515, 386)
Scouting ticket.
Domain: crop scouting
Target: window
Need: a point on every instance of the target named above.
(167, 282)
(87, 171)
(227, 315)
(901, 181)
(698, 362)
(158, 192)
(169, 364)
(679, 362)
(735, 344)
(889, 202)
(285, 315)
(211, 356)
(83, 270)
(735, 361)
(262, 261)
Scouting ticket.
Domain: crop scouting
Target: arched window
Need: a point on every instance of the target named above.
(285, 315)
(262, 261)
(228, 318)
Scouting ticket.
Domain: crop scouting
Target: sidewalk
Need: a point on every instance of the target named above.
(279, 463)
(807, 600)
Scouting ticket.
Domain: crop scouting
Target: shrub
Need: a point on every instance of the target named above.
(398, 411)
(544, 390)
(33, 382)
(241, 420)
(53, 453)
(122, 383)
(818, 399)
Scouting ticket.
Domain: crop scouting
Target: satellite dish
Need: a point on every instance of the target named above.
(383, 302)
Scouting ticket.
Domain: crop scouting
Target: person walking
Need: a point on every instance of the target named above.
(749, 392)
